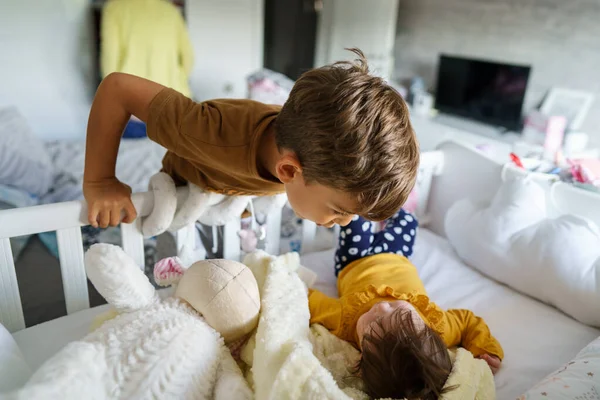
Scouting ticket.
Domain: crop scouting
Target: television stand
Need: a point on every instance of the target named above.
(494, 141)
(478, 128)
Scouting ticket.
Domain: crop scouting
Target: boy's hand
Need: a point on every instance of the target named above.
(106, 200)
(493, 361)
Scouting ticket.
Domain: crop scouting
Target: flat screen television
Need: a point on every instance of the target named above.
(486, 91)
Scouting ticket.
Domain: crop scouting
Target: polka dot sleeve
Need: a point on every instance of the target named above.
(358, 239)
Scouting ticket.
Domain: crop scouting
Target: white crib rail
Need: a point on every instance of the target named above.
(66, 219)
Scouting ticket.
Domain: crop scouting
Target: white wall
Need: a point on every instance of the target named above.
(46, 53)
(45, 64)
(559, 38)
(367, 25)
(227, 36)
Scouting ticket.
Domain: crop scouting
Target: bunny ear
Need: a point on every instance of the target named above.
(168, 271)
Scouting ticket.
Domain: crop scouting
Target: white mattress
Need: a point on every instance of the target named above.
(536, 338)
(40, 342)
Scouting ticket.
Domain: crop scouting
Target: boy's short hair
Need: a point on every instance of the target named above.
(400, 360)
(351, 132)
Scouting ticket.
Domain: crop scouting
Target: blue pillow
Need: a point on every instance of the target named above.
(135, 130)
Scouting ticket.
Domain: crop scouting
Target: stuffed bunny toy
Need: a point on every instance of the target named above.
(200, 205)
(173, 348)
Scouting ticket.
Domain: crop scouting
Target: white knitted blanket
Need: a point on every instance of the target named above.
(281, 354)
(161, 352)
(165, 350)
(154, 349)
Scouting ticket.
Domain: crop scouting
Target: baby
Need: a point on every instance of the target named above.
(384, 311)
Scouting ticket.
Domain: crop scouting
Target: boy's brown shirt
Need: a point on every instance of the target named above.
(213, 144)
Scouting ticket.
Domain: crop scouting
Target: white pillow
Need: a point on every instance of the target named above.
(24, 162)
(513, 241)
(578, 379)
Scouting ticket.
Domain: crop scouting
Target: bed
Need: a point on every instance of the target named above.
(536, 337)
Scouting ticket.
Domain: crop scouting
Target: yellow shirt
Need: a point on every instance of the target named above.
(146, 38)
(389, 277)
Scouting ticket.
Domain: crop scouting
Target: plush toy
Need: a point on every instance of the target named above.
(248, 240)
(200, 205)
(223, 291)
(169, 348)
(252, 233)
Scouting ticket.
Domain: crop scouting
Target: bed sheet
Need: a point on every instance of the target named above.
(537, 338)
(137, 161)
(42, 341)
(39, 343)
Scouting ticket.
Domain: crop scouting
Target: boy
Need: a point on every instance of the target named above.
(341, 145)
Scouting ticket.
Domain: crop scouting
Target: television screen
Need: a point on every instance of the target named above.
(485, 91)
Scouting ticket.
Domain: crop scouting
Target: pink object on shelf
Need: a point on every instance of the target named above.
(555, 132)
(586, 171)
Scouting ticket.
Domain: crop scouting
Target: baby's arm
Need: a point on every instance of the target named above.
(324, 310)
(471, 332)
(118, 97)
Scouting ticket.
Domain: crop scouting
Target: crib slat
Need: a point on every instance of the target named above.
(273, 231)
(133, 242)
(70, 251)
(432, 164)
(309, 231)
(185, 238)
(231, 241)
(423, 189)
(433, 160)
(11, 312)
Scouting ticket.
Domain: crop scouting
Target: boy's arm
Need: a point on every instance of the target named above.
(118, 97)
(471, 332)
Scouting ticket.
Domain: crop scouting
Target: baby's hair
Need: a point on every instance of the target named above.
(400, 360)
(351, 131)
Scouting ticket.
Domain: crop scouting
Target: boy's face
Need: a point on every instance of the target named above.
(320, 204)
(323, 205)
